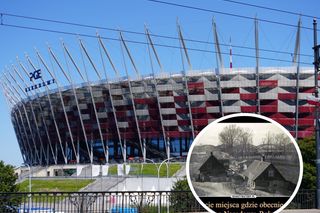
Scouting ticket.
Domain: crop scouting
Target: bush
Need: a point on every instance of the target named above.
(308, 151)
(181, 198)
(8, 184)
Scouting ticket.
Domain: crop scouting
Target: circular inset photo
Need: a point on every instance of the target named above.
(244, 163)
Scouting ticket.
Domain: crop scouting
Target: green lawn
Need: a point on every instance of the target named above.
(151, 169)
(148, 169)
(54, 185)
(113, 170)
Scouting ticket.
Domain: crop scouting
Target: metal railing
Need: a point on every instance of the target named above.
(119, 202)
(305, 199)
(114, 202)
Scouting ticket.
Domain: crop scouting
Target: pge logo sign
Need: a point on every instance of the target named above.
(35, 75)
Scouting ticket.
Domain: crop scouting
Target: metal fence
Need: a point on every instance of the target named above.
(114, 202)
(305, 199)
(118, 202)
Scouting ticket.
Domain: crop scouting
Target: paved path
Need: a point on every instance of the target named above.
(131, 184)
(181, 172)
(103, 184)
(135, 183)
(144, 184)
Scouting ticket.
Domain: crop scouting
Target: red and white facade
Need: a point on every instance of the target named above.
(155, 116)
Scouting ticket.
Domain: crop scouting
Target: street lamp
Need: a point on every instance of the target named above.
(144, 155)
(146, 159)
(165, 161)
(29, 168)
(316, 96)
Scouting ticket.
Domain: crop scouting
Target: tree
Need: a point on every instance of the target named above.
(236, 140)
(308, 151)
(7, 178)
(245, 142)
(7, 184)
(229, 136)
(182, 199)
(268, 141)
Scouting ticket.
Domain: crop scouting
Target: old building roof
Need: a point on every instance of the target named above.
(255, 169)
(213, 163)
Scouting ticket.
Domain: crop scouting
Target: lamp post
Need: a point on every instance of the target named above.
(152, 161)
(29, 168)
(168, 148)
(165, 161)
(316, 94)
(144, 155)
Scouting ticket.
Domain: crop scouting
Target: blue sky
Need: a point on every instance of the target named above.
(161, 19)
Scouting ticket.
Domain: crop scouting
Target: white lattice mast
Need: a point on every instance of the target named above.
(105, 51)
(219, 61)
(17, 86)
(18, 99)
(35, 94)
(11, 103)
(53, 75)
(24, 149)
(77, 101)
(150, 43)
(105, 147)
(24, 69)
(123, 44)
(69, 79)
(50, 103)
(184, 48)
(296, 64)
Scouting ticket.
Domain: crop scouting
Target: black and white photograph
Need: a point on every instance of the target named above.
(247, 158)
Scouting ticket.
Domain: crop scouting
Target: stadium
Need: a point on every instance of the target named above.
(156, 116)
(154, 113)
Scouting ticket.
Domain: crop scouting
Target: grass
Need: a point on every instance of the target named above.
(148, 169)
(113, 170)
(152, 170)
(54, 185)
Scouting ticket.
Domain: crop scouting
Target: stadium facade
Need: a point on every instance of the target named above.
(151, 114)
(150, 117)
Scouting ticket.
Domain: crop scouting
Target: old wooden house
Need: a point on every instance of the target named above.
(214, 169)
(261, 175)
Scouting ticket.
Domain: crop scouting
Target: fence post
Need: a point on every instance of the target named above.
(168, 201)
(141, 202)
(160, 196)
(54, 202)
(122, 200)
(103, 195)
